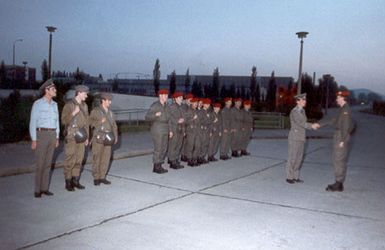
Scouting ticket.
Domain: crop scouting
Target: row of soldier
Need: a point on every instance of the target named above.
(194, 130)
(45, 129)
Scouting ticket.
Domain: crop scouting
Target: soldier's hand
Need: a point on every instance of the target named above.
(158, 113)
(171, 134)
(33, 145)
(116, 140)
(86, 142)
(215, 120)
(57, 143)
(103, 119)
(195, 117)
(341, 145)
(181, 120)
(76, 110)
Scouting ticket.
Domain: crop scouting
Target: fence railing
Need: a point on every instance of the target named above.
(131, 116)
(268, 120)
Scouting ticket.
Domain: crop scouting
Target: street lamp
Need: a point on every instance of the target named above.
(301, 35)
(13, 61)
(50, 29)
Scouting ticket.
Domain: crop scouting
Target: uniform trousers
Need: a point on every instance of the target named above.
(294, 160)
(46, 143)
(101, 156)
(339, 157)
(74, 155)
(225, 143)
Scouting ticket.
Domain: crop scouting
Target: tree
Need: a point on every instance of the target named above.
(327, 91)
(271, 93)
(100, 77)
(156, 76)
(79, 76)
(172, 83)
(223, 92)
(3, 75)
(253, 83)
(232, 91)
(44, 71)
(215, 86)
(257, 95)
(196, 89)
(187, 80)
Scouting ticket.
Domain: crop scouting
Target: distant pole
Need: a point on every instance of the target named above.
(301, 35)
(13, 61)
(50, 29)
(327, 93)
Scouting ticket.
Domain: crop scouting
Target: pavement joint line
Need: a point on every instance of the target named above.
(103, 221)
(292, 207)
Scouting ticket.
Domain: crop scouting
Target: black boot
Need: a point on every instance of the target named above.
(337, 186)
(190, 162)
(76, 183)
(158, 169)
(173, 165)
(183, 158)
(179, 165)
(235, 153)
(244, 152)
(69, 186)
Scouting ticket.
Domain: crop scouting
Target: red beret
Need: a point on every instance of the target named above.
(163, 92)
(343, 93)
(227, 99)
(189, 96)
(206, 101)
(177, 94)
(217, 105)
(194, 100)
(237, 99)
(247, 102)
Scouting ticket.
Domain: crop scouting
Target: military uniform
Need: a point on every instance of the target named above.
(297, 136)
(343, 127)
(236, 135)
(204, 133)
(227, 121)
(159, 132)
(192, 138)
(178, 131)
(215, 138)
(101, 154)
(44, 131)
(246, 130)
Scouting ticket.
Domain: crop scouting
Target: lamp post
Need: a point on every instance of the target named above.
(50, 29)
(301, 35)
(13, 61)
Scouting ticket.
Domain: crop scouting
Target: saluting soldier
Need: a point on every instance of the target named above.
(44, 131)
(247, 127)
(344, 126)
(177, 127)
(75, 119)
(215, 132)
(159, 115)
(237, 117)
(297, 137)
(205, 123)
(186, 105)
(192, 131)
(105, 134)
(227, 120)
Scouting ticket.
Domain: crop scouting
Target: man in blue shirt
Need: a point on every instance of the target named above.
(44, 131)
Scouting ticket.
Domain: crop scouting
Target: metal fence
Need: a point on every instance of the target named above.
(131, 116)
(268, 120)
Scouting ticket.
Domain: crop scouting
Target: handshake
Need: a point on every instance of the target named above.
(315, 126)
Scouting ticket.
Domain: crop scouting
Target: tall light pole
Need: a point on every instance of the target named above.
(50, 29)
(301, 35)
(13, 61)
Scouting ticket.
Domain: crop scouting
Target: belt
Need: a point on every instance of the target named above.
(45, 129)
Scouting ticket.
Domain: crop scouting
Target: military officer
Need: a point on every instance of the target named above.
(177, 127)
(247, 127)
(344, 126)
(204, 131)
(185, 108)
(44, 131)
(105, 133)
(75, 120)
(237, 117)
(227, 120)
(297, 136)
(192, 131)
(215, 132)
(159, 115)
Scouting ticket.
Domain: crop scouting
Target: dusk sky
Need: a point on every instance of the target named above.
(346, 38)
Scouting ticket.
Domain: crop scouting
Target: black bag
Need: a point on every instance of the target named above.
(80, 135)
(107, 138)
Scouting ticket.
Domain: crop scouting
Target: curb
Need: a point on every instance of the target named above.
(30, 169)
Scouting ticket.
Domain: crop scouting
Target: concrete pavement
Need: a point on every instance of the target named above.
(243, 203)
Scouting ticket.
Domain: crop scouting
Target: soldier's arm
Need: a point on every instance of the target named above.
(66, 115)
(298, 120)
(150, 115)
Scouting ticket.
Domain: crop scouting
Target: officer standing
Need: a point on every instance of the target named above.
(205, 125)
(192, 139)
(105, 133)
(159, 115)
(298, 124)
(185, 107)
(247, 127)
(236, 114)
(215, 132)
(227, 120)
(177, 127)
(75, 120)
(344, 126)
(44, 131)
